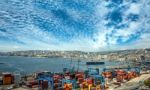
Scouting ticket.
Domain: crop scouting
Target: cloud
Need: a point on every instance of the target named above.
(126, 31)
(74, 24)
(134, 8)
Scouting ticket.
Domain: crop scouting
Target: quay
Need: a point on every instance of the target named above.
(121, 77)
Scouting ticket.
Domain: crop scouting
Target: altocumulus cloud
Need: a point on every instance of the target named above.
(87, 25)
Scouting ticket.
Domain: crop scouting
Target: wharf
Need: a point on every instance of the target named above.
(134, 83)
(117, 67)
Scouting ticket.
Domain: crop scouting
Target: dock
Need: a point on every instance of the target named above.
(134, 83)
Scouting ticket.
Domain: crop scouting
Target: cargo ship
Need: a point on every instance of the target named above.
(95, 63)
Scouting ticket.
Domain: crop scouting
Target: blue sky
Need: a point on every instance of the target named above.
(86, 25)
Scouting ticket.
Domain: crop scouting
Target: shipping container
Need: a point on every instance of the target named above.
(7, 78)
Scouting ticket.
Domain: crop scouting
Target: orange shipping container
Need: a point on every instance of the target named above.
(7, 80)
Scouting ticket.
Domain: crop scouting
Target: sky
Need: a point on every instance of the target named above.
(83, 25)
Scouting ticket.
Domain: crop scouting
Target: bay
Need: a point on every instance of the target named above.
(33, 64)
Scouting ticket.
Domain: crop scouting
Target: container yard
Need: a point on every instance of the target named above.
(91, 79)
(121, 77)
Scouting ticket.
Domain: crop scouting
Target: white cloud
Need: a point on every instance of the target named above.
(134, 8)
(141, 43)
(126, 32)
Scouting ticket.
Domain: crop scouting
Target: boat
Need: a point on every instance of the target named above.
(2, 63)
(95, 63)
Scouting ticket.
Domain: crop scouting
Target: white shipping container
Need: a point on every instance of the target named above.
(17, 77)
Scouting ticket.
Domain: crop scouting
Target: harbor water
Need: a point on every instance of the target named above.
(32, 64)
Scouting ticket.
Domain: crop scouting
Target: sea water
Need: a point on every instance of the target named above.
(33, 64)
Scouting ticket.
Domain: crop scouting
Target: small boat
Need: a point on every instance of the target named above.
(2, 63)
(95, 63)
